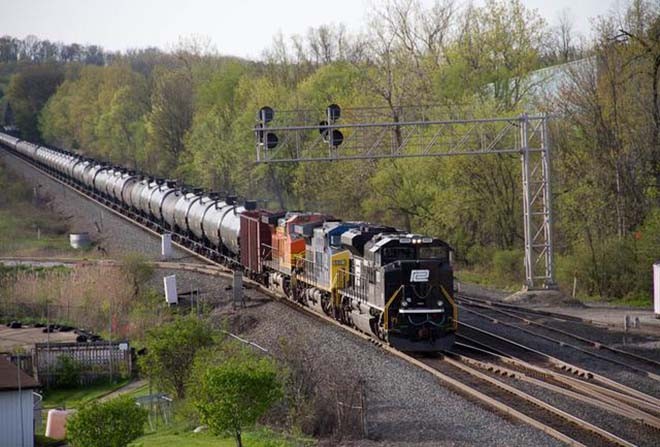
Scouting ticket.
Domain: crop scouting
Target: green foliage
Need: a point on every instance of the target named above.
(114, 423)
(257, 438)
(617, 268)
(234, 394)
(28, 92)
(138, 270)
(171, 349)
(76, 397)
(67, 372)
(22, 219)
(508, 265)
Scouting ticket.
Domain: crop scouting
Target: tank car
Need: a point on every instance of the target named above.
(391, 284)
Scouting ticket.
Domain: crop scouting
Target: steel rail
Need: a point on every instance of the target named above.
(220, 270)
(581, 423)
(585, 340)
(588, 388)
(641, 371)
(584, 392)
(570, 368)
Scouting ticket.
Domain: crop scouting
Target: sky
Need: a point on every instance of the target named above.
(241, 28)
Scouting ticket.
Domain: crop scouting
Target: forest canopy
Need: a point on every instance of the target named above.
(189, 113)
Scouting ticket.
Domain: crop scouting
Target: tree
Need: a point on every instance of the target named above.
(28, 91)
(172, 105)
(233, 395)
(114, 423)
(171, 349)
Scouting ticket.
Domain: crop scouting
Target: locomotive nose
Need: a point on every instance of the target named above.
(424, 333)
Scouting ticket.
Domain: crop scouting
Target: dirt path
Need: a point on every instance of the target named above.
(131, 386)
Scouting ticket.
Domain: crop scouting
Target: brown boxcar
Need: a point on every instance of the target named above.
(256, 237)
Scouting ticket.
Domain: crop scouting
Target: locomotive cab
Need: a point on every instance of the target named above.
(404, 286)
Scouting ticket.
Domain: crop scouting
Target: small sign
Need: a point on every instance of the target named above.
(656, 289)
(166, 246)
(123, 346)
(169, 283)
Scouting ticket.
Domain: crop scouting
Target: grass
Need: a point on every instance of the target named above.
(486, 280)
(75, 397)
(639, 302)
(28, 228)
(174, 437)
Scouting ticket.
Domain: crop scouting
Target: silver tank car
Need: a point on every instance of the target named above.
(168, 206)
(9, 140)
(91, 173)
(66, 163)
(26, 148)
(136, 192)
(158, 198)
(182, 207)
(124, 186)
(145, 196)
(72, 167)
(43, 155)
(79, 170)
(196, 214)
(222, 224)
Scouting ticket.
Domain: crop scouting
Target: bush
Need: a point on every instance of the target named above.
(114, 423)
(508, 265)
(67, 372)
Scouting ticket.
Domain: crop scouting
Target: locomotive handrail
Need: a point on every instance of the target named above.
(386, 311)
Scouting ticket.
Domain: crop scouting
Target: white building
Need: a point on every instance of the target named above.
(16, 406)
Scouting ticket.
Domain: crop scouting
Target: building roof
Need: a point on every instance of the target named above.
(10, 375)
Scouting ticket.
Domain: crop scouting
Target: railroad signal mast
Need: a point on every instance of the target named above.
(298, 136)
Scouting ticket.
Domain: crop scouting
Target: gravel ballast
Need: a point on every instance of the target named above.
(406, 406)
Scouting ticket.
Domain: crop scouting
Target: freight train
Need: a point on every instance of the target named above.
(396, 286)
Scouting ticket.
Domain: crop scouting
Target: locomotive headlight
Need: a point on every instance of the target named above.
(404, 304)
(409, 299)
(440, 304)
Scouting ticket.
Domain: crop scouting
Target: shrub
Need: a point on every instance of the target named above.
(114, 423)
(508, 265)
(67, 372)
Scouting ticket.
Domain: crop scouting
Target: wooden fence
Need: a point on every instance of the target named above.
(93, 361)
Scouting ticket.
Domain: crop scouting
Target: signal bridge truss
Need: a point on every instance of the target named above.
(294, 136)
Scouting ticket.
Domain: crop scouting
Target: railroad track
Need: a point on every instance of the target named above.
(509, 317)
(460, 376)
(558, 423)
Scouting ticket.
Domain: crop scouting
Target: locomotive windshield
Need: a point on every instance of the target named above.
(438, 253)
(391, 254)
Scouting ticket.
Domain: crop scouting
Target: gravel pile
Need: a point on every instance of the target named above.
(406, 406)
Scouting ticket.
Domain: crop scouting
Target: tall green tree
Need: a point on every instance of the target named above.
(170, 118)
(28, 92)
